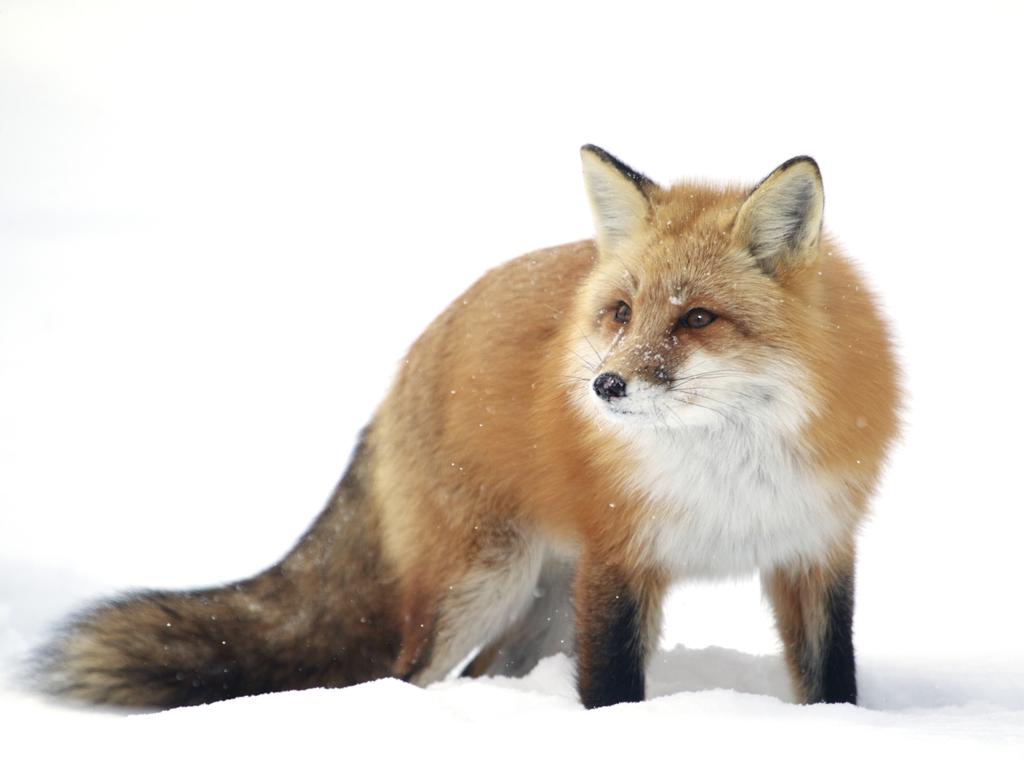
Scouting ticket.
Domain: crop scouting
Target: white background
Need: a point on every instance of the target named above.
(222, 224)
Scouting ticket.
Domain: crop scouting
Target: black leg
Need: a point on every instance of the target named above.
(838, 667)
(814, 614)
(612, 636)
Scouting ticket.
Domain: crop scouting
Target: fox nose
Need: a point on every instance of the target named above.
(609, 386)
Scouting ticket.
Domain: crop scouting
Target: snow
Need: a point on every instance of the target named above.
(730, 709)
(221, 224)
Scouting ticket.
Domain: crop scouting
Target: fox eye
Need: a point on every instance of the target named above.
(623, 313)
(698, 317)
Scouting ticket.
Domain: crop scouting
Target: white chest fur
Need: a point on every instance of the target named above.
(730, 500)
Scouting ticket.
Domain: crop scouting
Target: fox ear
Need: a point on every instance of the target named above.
(780, 221)
(618, 197)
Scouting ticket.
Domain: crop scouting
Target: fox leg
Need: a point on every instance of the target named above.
(618, 618)
(544, 629)
(814, 613)
(476, 607)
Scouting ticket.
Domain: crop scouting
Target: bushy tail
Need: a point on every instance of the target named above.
(321, 617)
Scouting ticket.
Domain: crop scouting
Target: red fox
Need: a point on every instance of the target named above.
(706, 389)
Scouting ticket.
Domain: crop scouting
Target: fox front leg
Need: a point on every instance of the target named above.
(814, 613)
(617, 619)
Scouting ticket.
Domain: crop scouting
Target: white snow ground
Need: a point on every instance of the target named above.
(222, 223)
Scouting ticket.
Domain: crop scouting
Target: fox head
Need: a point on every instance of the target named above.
(701, 307)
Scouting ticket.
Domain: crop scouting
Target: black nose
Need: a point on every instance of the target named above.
(610, 385)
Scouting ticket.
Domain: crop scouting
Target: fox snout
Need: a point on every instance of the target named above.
(610, 386)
